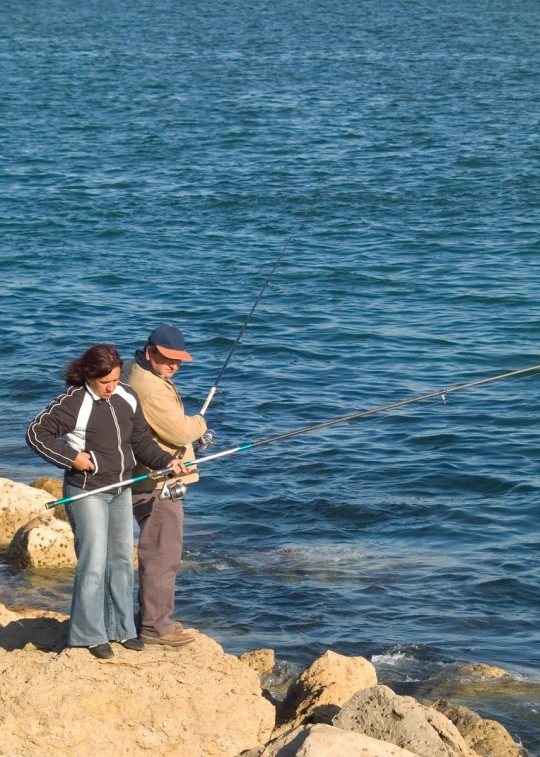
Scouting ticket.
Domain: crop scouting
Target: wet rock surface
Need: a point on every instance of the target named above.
(487, 737)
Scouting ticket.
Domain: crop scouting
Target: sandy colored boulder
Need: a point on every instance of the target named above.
(52, 485)
(380, 713)
(487, 737)
(45, 542)
(7, 616)
(317, 694)
(260, 660)
(19, 504)
(324, 741)
(190, 701)
(478, 671)
(55, 488)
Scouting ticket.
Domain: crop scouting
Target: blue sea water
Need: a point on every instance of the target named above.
(156, 157)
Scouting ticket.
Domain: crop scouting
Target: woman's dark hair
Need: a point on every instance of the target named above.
(98, 361)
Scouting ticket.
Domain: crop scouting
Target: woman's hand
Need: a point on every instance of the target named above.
(83, 461)
(178, 468)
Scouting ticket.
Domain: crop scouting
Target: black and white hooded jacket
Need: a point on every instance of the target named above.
(114, 432)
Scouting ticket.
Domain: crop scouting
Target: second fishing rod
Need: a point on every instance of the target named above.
(177, 491)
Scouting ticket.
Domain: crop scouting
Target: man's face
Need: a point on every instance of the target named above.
(163, 366)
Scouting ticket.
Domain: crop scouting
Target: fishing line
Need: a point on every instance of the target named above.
(177, 491)
(224, 367)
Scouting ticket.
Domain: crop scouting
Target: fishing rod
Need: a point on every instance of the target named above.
(213, 390)
(177, 491)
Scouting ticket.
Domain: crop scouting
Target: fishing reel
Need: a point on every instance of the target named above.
(206, 440)
(174, 492)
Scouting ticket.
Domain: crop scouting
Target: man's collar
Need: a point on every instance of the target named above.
(142, 361)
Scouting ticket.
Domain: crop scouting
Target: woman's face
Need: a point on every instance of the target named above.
(105, 386)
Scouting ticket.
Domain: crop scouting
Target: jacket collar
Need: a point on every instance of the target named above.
(95, 397)
(142, 362)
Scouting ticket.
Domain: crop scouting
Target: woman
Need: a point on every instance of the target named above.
(96, 431)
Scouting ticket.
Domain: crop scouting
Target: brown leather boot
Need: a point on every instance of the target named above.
(177, 638)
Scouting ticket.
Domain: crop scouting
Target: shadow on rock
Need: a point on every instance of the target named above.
(47, 634)
(324, 713)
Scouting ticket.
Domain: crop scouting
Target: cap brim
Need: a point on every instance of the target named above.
(174, 354)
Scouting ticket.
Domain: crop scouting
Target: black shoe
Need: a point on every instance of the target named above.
(134, 644)
(102, 651)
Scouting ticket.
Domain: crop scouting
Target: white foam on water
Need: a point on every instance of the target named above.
(391, 658)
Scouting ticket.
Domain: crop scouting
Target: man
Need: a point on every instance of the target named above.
(161, 520)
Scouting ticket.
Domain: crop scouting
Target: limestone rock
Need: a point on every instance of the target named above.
(317, 694)
(380, 713)
(19, 504)
(260, 660)
(487, 737)
(55, 488)
(45, 542)
(7, 616)
(324, 741)
(478, 671)
(51, 485)
(164, 701)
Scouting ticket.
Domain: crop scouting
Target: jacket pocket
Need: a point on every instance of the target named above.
(95, 461)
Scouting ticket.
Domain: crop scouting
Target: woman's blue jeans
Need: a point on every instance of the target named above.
(102, 604)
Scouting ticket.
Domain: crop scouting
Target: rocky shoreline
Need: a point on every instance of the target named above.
(200, 702)
(197, 701)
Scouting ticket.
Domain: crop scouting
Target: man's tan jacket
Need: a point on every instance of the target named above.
(164, 411)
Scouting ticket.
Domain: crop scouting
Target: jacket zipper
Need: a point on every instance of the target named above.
(119, 441)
